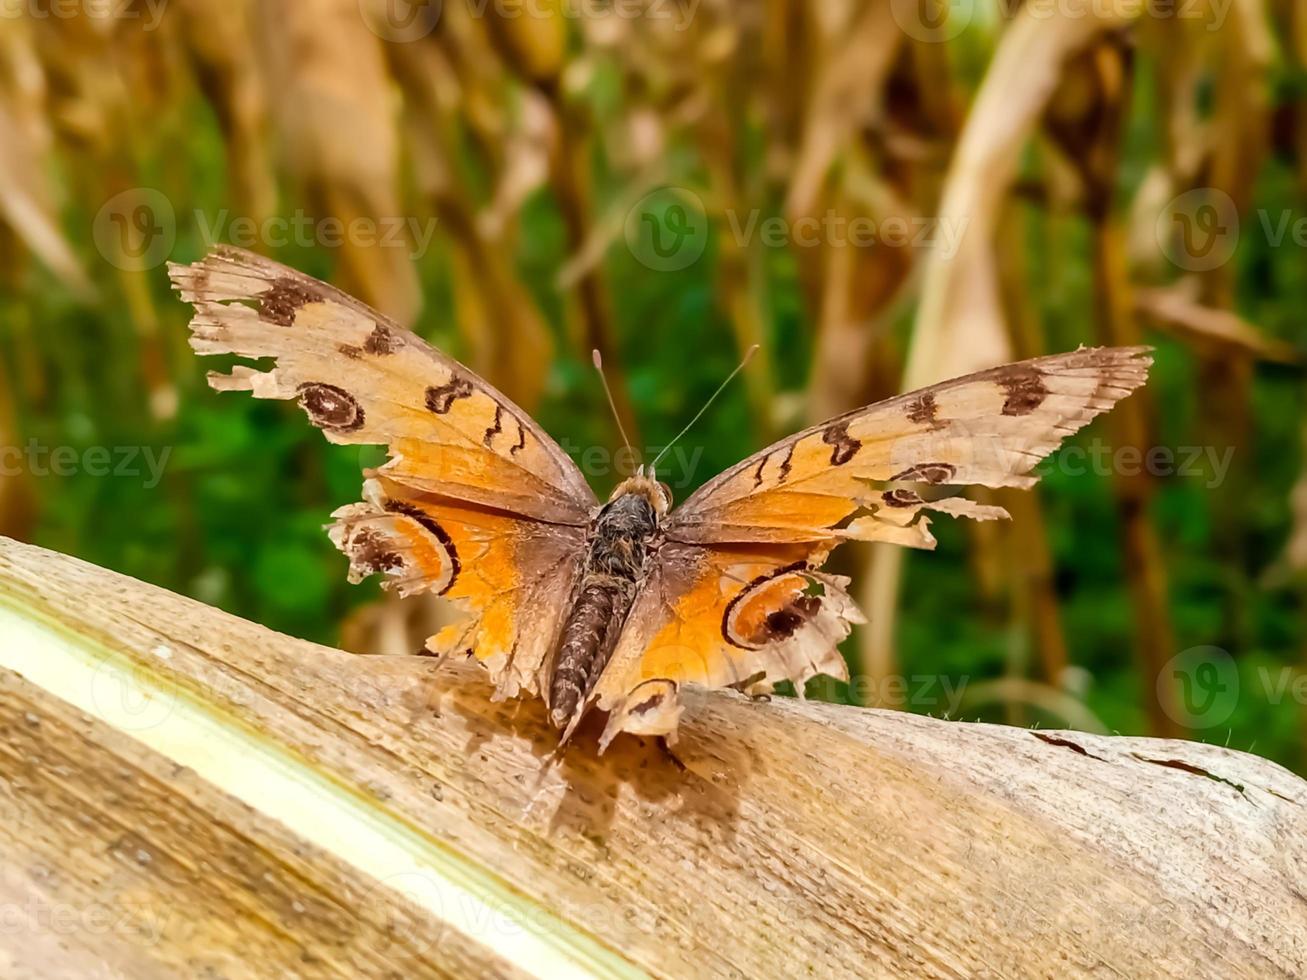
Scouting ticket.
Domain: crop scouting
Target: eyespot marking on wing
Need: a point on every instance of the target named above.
(441, 398)
(1026, 391)
(330, 407)
(843, 446)
(432, 526)
(771, 607)
(901, 498)
(934, 473)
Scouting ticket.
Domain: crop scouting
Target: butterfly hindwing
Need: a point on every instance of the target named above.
(513, 576)
(739, 617)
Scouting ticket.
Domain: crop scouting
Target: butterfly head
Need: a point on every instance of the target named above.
(646, 485)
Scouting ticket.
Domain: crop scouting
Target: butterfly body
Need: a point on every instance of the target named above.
(614, 607)
(620, 543)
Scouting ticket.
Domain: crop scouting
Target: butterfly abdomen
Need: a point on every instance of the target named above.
(614, 567)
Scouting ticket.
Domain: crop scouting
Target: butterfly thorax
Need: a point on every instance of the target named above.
(619, 546)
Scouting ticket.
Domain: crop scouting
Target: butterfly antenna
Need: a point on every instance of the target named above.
(599, 366)
(706, 405)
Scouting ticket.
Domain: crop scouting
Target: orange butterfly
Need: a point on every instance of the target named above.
(615, 605)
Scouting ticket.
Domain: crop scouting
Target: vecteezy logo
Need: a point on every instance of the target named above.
(1199, 687)
(399, 901)
(1199, 230)
(122, 694)
(400, 20)
(667, 230)
(136, 229)
(933, 21)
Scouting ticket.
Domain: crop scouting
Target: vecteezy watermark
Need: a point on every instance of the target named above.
(677, 468)
(836, 230)
(1207, 679)
(935, 694)
(1205, 684)
(141, 923)
(667, 230)
(136, 230)
(403, 21)
(937, 21)
(401, 900)
(679, 12)
(128, 696)
(1198, 230)
(303, 230)
(1192, 462)
(933, 21)
(1287, 682)
(148, 12)
(122, 462)
(1094, 457)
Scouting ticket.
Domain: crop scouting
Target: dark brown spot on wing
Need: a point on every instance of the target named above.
(901, 498)
(923, 410)
(648, 704)
(330, 407)
(934, 473)
(495, 429)
(1026, 390)
(781, 474)
(441, 398)
(381, 342)
(843, 446)
(521, 440)
(743, 685)
(784, 623)
(371, 554)
(785, 464)
(280, 301)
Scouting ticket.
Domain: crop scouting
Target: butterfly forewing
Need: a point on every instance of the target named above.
(989, 429)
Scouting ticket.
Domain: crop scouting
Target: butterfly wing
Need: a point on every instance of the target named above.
(475, 502)
(723, 616)
(989, 428)
(737, 597)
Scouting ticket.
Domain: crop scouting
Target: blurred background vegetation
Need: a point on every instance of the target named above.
(883, 193)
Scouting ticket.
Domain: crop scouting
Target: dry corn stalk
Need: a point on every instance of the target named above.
(238, 801)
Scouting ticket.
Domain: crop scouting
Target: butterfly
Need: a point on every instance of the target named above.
(615, 605)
